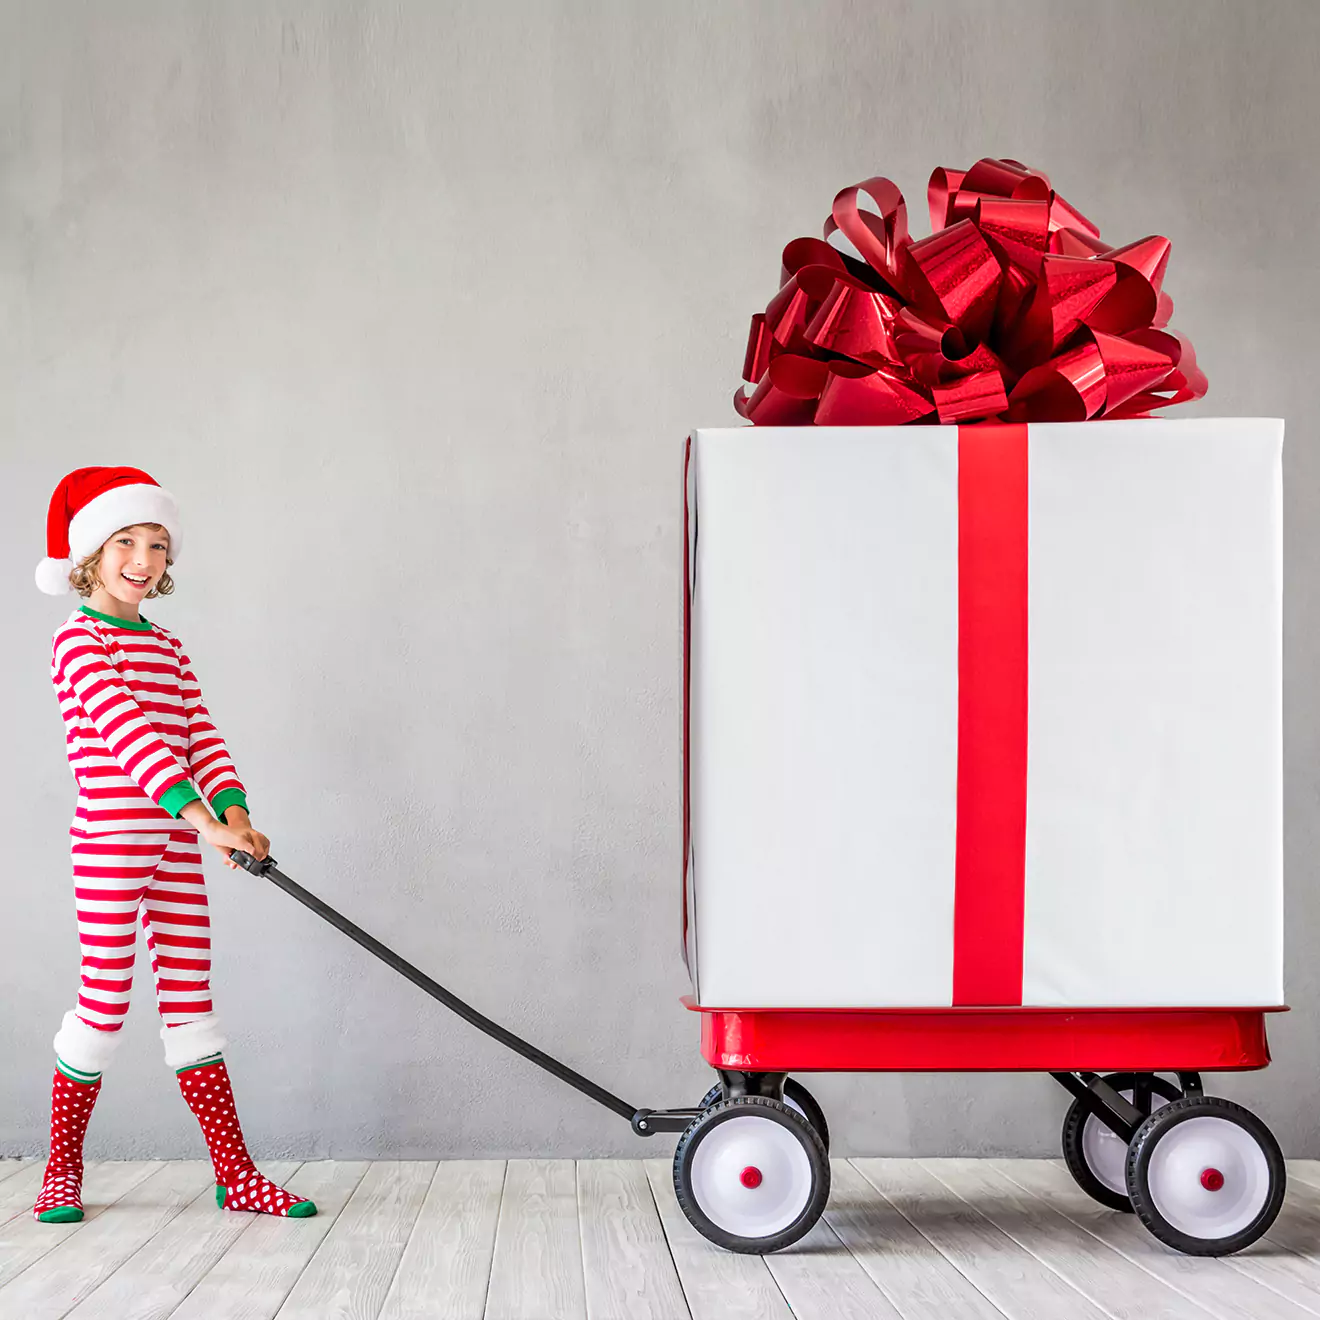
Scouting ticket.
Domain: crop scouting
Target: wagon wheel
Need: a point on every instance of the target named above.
(1205, 1175)
(1097, 1157)
(796, 1096)
(751, 1174)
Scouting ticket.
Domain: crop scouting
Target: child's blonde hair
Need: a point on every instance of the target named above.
(85, 577)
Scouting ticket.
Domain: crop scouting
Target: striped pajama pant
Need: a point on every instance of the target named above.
(119, 877)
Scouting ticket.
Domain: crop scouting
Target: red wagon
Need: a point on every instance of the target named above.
(1204, 1174)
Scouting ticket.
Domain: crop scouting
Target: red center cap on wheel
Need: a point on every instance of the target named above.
(751, 1176)
(1211, 1179)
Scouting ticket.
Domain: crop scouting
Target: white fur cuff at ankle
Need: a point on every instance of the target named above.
(191, 1041)
(84, 1047)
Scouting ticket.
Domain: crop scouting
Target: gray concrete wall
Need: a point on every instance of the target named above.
(411, 305)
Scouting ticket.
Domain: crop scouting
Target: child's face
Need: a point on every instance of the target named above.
(132, 562)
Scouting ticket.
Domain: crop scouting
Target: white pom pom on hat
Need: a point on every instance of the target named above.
(53, 576)
(89, 506)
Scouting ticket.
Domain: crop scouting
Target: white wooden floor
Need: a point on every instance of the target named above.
(545, 1239)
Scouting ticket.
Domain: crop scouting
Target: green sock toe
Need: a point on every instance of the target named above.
(303, 1210)
(65, 1214)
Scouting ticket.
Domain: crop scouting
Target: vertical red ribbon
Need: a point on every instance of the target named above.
(990, 866)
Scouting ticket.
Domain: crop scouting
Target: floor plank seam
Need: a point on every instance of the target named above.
(36, 1260)
(412, 1228)
(1265, 1283)
(132, 1256)
(999, 1228)
(582, 1245)
(284, 1301)
(1296, 1174)
(770, 1274)
(499, 1214)
(990, 1302)
(242, 1233)
(1118, 1250)
(74, 1230)
(160, 1228)
(19, 1166)
(664, 1237)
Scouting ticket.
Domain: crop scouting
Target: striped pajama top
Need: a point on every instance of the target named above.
(140, 741)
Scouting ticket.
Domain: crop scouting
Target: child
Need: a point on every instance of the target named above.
(136, 732)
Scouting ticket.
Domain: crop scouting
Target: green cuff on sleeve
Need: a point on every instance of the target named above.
(228, 797)
(177, 796)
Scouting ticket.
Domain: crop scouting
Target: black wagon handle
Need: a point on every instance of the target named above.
(269, 870)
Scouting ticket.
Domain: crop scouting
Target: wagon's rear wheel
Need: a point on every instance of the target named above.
(1097, 1157)
(751, 1175)
(1206, 1176)
(796, 1096)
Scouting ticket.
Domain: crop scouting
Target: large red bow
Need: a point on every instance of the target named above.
(1012, 309)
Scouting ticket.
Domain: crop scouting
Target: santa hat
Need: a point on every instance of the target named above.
(88, 507)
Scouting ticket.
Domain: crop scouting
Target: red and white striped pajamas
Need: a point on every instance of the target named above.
(137, 731)
(116, 877)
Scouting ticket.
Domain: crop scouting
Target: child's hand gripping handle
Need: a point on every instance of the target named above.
(250, 863)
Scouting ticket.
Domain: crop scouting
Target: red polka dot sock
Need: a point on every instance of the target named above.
(239, 1186)
(72, 1095)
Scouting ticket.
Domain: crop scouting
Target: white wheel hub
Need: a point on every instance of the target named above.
(1106, 1152)
(741, 1202)
(1208, 1177)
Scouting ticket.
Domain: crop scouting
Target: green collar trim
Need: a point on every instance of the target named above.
(143, 625)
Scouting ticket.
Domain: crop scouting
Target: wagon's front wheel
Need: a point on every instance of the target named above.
(796, 1096)
(1205, 1175)
(751, 1174)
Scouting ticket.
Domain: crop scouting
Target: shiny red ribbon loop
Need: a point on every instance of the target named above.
(1013, 309)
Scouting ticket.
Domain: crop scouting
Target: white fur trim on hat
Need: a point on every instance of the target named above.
(123, 506)
(53, 576)
(190, 1041)
(85, 1047)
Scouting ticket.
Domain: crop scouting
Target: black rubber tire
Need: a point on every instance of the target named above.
(1158, 1126)
(777, 1112)
(798, 1094)
(1074, 1152)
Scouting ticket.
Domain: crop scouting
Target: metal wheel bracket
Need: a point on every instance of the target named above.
(770, 1085)
(647, 1122)
(1120, 1116)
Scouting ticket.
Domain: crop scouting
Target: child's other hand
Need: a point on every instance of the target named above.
(225, 838)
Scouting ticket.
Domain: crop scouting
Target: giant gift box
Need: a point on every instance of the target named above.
(984, 715)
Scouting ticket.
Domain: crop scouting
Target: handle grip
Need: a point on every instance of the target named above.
(250, 863)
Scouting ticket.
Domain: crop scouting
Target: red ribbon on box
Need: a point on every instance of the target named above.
(1012, 309)
(990, 841)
